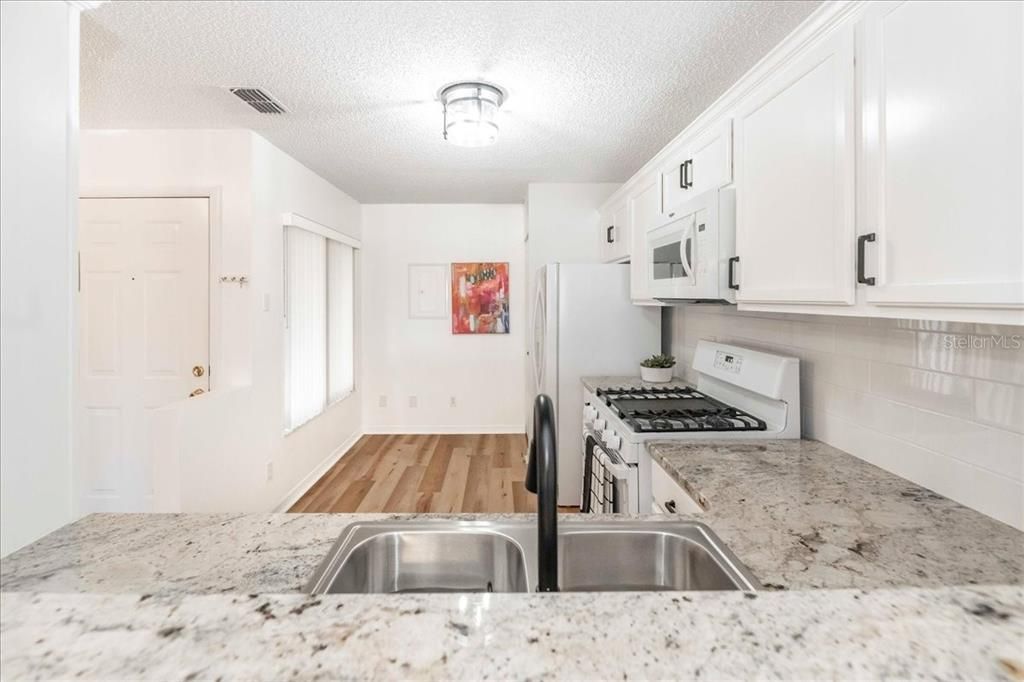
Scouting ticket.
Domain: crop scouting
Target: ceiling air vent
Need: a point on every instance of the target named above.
(258, 100)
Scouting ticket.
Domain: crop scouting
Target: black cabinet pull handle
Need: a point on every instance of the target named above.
(670, 506)
(733, 284)
(610, 234)
(861, 241)
(685, 176)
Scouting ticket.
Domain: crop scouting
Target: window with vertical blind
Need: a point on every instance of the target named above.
(319, 311)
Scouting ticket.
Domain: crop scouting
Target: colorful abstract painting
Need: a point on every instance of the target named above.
(480, 298)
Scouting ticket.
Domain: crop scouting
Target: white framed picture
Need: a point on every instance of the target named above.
(428, 290)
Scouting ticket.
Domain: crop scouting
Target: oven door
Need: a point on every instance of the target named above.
(670, 253)
(610, 486)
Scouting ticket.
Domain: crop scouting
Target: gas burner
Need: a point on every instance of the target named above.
(675, 409)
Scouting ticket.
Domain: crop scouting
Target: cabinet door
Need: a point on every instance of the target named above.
(614, 232)
(942, 147)
(619, 248)
(674, 188)
(794, 158)
(645, 210)
(711, 159)
(605, 233)
(704, 163)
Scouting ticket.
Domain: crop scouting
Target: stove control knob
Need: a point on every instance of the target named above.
(599, 424)
(589, 414)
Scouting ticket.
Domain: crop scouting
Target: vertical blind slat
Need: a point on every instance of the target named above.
(306, 279)
(340, 319)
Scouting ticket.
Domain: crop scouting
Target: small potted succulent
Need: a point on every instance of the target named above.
(657, 369)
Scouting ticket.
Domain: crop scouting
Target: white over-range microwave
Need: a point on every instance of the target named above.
(692, 257)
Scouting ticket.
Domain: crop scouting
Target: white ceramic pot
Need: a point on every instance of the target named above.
(656, 375)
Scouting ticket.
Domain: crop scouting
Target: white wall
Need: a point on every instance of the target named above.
(561, 220)
(162, 162)
(897, 393)
(38, 123)
(218, 446)
(405, 357)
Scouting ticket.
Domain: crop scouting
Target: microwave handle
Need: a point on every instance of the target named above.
(685, 258)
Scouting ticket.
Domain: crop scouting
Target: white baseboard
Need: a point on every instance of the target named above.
(300, 489)
(431, 429)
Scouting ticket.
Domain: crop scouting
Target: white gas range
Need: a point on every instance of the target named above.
(740, 393)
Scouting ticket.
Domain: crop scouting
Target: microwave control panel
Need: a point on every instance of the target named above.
(702, 250)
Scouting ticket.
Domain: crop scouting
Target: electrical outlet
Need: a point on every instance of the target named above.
(270, 472)
(382, 401)
(412, 401)
(451, 402)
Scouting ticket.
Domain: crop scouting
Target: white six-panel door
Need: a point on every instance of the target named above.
(943, 132)
(794, 168)
(144, 319)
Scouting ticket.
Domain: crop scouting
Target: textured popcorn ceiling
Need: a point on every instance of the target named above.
(595, 88)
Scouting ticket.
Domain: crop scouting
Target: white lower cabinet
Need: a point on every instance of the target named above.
(942, 164)
(794, 160)
(668, 497)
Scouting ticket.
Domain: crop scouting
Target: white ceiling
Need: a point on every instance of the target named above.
(595, 88)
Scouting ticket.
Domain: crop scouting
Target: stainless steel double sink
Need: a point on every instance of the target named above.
(501, 556)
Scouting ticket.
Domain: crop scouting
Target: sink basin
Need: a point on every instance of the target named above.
(378, 559)
(440, 555)
(638, 560)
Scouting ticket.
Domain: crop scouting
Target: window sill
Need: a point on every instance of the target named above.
(344, 396)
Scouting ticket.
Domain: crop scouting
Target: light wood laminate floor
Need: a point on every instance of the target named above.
(479, 473)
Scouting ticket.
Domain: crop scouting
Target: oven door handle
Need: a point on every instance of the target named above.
(620, 483)
(590, 441)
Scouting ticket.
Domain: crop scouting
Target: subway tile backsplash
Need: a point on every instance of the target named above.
(939, 403)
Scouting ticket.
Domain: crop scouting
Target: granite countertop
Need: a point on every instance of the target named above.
(177, 553)
(189, 554)
(158, 596)
(802, 514)
(951, 633)
(799, 514)
(594, 383)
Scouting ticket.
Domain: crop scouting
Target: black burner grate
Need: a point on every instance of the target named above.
(675, 409)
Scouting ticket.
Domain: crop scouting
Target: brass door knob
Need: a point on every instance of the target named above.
(198, 371)
(196, 392)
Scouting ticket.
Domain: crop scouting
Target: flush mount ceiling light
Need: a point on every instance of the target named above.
(471, 112)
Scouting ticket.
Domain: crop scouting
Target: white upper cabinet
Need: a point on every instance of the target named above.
(615, 232)
(794, 155)
(701, 164)
(942, 134)
(877, 157)
(645, 213)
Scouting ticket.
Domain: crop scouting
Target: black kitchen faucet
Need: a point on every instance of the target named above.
(542, 480)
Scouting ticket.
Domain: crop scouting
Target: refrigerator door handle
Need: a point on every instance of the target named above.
(538, 343)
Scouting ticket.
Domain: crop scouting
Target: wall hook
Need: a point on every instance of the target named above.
(240, 280)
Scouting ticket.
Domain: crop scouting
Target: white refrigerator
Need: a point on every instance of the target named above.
(583, 325)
